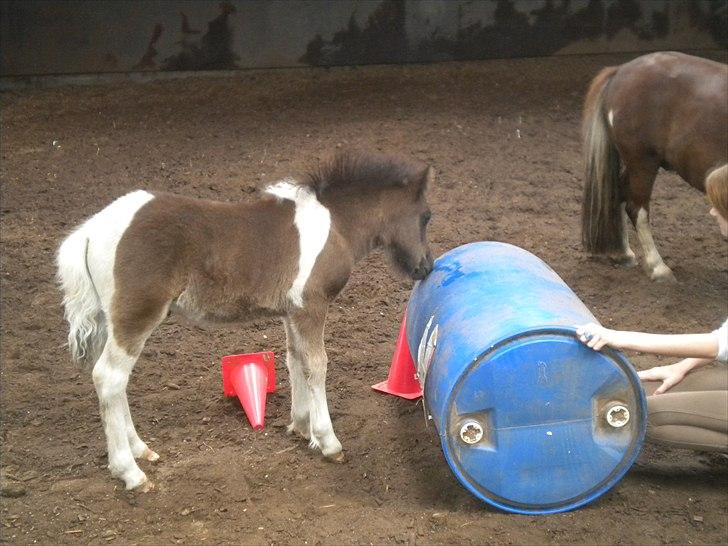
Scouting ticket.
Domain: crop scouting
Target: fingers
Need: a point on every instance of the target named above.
(585, 330)
(589, 335)
(669, 376)
(650, 375)
(595, 341)
(669, 382)
(666, 384)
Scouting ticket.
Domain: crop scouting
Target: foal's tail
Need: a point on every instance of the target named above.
(601, 218)
(87, 334)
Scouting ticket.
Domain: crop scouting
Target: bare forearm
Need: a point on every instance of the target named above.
(690, 364)
(696, 346)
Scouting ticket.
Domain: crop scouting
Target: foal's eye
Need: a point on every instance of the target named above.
(426, 218)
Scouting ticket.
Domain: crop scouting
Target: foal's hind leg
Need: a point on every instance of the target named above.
(111, 375)
(308, 337)
(640, 175)
(300, 395)
(139, 448)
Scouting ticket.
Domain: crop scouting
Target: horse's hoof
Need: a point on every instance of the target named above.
(139, 483)
(145, 487)
(625, 262)
(338, 458)
(151, 456)
(663, 274)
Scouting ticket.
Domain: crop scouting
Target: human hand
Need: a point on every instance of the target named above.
(669, 375)
(595, 336)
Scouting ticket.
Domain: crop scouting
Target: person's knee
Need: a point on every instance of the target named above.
(688, 437)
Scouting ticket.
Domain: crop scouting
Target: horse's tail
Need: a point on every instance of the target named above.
(601, 218)
(87, 323)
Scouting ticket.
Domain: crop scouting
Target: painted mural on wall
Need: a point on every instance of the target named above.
(516, 29)
(382, 40)
(76, 36)
(211, 50)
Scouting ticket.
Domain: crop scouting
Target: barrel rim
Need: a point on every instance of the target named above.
(575, 502)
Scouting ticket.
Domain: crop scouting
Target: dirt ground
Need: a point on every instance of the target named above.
(503, 137)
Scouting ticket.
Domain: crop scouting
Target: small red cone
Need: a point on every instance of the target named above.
(402, 380)
(250, 377)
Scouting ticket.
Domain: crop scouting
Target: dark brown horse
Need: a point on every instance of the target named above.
(146, 254)
(666, 110)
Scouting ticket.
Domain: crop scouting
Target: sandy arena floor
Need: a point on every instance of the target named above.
(503, 136)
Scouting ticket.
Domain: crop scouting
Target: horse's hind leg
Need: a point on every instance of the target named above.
(308, 337)
(627, 257)
(640, 175)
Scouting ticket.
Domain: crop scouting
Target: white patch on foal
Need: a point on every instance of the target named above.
(610, 117)
(104, 231)
(313, 222)
(93, 245)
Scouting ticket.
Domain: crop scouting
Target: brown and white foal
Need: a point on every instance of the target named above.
(147, 254)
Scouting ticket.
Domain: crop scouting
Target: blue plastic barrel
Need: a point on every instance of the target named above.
(530, 419)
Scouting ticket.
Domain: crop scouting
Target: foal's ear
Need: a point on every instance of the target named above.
(425, 180)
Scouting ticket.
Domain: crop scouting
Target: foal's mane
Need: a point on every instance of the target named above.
(361, 171)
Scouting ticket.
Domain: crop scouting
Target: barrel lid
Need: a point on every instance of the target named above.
(540, 423)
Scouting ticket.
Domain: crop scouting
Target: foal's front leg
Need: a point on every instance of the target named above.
(308, 339)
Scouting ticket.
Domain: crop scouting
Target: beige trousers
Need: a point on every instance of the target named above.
(693, 414)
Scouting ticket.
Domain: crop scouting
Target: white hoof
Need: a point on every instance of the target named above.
(331, 448)
(145, 487)
(151, 456)
(130, 474)
(143, 452)
(662, 273)
(338, 458)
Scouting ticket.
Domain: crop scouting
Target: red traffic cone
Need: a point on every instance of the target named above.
(250, 377)
(402, 380)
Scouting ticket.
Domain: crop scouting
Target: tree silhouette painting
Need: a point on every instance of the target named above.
(511, 33)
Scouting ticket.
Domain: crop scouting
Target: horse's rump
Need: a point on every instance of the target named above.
(593, 99)
(674, 107)
(666, 110)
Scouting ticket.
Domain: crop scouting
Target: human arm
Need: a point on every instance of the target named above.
(672, 374)
(704, 346)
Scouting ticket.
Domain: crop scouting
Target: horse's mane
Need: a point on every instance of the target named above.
(357, 171)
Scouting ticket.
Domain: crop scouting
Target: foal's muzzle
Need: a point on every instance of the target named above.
(423, 268)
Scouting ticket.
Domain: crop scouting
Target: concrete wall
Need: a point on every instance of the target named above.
(41, 37)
